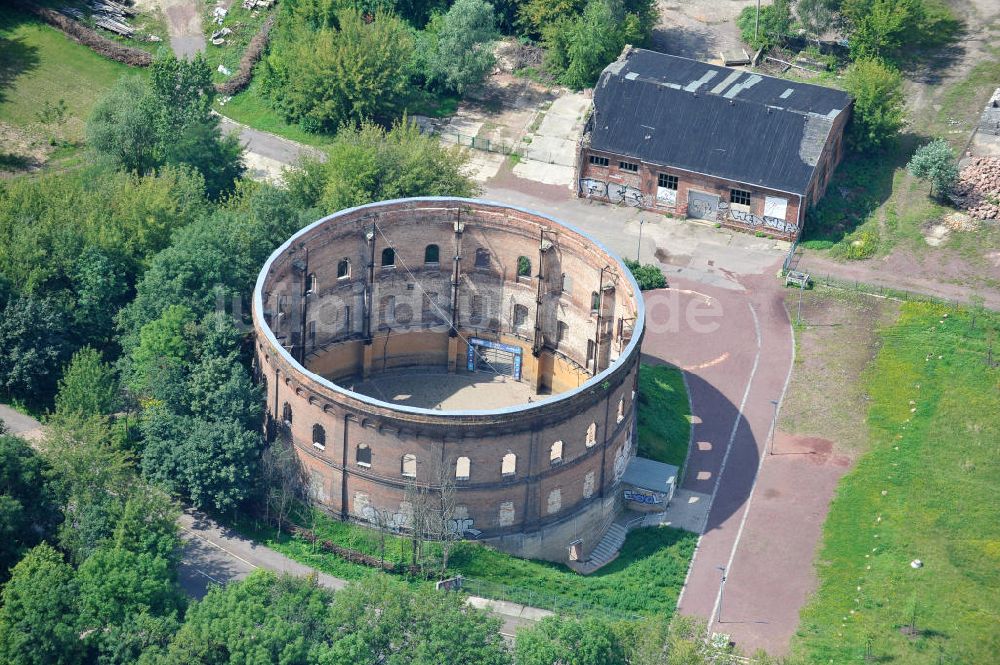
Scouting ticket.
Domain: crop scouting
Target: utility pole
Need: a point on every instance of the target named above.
(639, 248)
(756, 22)
(722, 589)
(774, 425)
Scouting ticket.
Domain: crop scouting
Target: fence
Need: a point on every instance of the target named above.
(879, 291)
(477, 143)
(533, 598)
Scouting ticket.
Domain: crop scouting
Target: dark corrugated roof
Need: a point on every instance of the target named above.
(715, 120)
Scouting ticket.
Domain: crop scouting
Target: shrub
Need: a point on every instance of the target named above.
(773, 29)
(649, 276)
(935, 163)
(877, 89)
(861, 244)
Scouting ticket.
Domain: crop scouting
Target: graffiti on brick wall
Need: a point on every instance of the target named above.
(756, 221)
(614, 192)
(643, 496)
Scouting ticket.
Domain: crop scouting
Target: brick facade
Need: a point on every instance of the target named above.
(339, 337)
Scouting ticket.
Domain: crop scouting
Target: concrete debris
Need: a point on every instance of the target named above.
(978, 189)
(224, 71)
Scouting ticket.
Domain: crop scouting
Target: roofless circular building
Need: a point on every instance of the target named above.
(416, 342)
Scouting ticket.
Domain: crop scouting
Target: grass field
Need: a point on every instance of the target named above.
(40, 65)
(664, 414)
(644, 580)
(926, 490)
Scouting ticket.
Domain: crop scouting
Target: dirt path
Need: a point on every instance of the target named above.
(183, 24)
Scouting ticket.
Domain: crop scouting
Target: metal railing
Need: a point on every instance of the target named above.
(477, 143)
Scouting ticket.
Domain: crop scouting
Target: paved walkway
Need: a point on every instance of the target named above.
(214, 554)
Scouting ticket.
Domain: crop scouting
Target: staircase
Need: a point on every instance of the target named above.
(607, 549)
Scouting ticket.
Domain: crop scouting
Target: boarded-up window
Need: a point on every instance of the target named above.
(476, 310)
(775, 206)
(387, 311)
(588, 485)
(506, 514)
(554, 504)
(520, 316)
(591, 434)
(621, 409)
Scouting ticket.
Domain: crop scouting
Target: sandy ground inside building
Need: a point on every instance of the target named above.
(454, 392)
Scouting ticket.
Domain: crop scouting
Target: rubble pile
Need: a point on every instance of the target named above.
(978, 189)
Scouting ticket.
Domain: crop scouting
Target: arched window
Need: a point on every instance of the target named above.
(561, 331)
(408, 465)
(286, 413)
(482, 258)
(432, 254)
(595, 302)
(591, 434)
(524, 267)
(363, 455)
(388, 257)
(509, 466)
(313, 284)
(462, 467)
(319, 437)
(556, 453)
(520, 315)
(621, 409)
(344, 269)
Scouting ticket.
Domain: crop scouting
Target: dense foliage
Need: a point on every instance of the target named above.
(144, 124)
(935, 163)
(370, 164)
(878, 114)
(648, 276)
(770, 29)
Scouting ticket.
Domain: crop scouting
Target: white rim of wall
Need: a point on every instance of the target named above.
(258, 306)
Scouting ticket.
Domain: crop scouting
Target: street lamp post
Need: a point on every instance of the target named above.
(774, 425)
(639, 248)
(722, 589)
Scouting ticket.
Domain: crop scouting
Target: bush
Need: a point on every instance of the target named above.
(773, 29)
(649, 276)
(878, 114)
(935, 163)
(861, 244)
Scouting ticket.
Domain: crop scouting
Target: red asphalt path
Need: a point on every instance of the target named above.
(764, 532)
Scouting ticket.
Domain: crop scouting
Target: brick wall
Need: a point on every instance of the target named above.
(541, 498)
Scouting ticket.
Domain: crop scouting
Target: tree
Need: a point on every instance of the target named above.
(568, 642)
(356, 72)
(88, 386)
(262, 619)
(384, 622)
(142, 125)
(772, 28)
(101, 285)
(121, 126)
(534, 15)
(38, 615)
(164, 344)
(211, 463)
(878, 114)
(115, 583)
(935, 163)
(580, 46)
(369, 164)
(462, 54)
(879, 27)
(92, 476)
(816, 16)
(219, 388)
(33, 348)
(28, 507)
(282, 481)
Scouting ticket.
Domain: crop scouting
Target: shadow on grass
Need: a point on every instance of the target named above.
(862, 183)
(17, 57)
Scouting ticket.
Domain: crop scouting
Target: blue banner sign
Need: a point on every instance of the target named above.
(470, 360)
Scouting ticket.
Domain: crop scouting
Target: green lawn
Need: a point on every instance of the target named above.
(250, 108)
(664, 414)
(39, 65)
(644, 580)
(927, 490)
